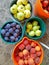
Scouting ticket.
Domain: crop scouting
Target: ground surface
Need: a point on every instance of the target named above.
(6, 50)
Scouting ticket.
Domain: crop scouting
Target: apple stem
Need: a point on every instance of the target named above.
(44, 45)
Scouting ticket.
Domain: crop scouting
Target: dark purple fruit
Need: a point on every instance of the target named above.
(7, 26)
(12, 38)
(3, 31)
(17, 30)
(16, 39)
(7, 34)
(6, 38)
(10, 30)
(13, 24)
(18, 26)
(15, 34)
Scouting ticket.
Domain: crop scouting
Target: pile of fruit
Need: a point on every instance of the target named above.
(28, 53)
(11, 32)
(33, 28)
(45, 5)
(21, 10)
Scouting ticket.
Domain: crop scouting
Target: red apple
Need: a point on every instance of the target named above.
(45, 3)
(28, 47)
(37, 60)
(20, 54)
(32, 50)
(33, 56)
(26, 62)
(17, 58)
(25, 42)
(48, 8)
(21, 62)
(30, 61)
(33, 44)
(21, 47)
(38, 53)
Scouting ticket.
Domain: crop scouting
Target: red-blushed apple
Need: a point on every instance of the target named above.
(20, 54)
(21, 47)
(37, 60)
(25, 42)
(38, 53)
(33, 44)
(32, 50)
(28, 47)
(21, 62)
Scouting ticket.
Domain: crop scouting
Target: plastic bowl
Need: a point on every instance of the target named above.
(40, 11)
(14, 2)
(16, 49)
(42, 27)
(21, 34)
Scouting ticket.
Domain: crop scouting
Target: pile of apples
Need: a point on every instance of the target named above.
(45, 5)
(33, 28)
(28, 53)
(21, 10)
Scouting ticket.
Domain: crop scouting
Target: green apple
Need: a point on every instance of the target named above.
(20, 16)
(38, 33)
(29, 26)
(32, 33)
(27, 13)
(19, 2)
(36, 28)
(34, 23)
(28, 7)
(20, 8)
(15, 15)
(24, 2)
(13, 9)
(27, 30)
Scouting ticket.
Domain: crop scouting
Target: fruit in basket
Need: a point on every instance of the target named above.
(25, 52)
(20, 16)
(26, 62)
(13, 9)
(33, 55)
(27, 13)
(45, 3)
(38, 53)
(25, 42)
(32, 50)
(37, 60)
(15, 15)
(21, 47)
(3, 32)
(28, 7)
(31, 33)
(36, 28)
(20, 8)
(27, 30)
(37, 48)
(24, 2)
(34, 23)
(29, 26)
(20, 54)
(28, 47)
(33, 44)
(38, 33)
(30, 61)
(21, 62)
(18, 2)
